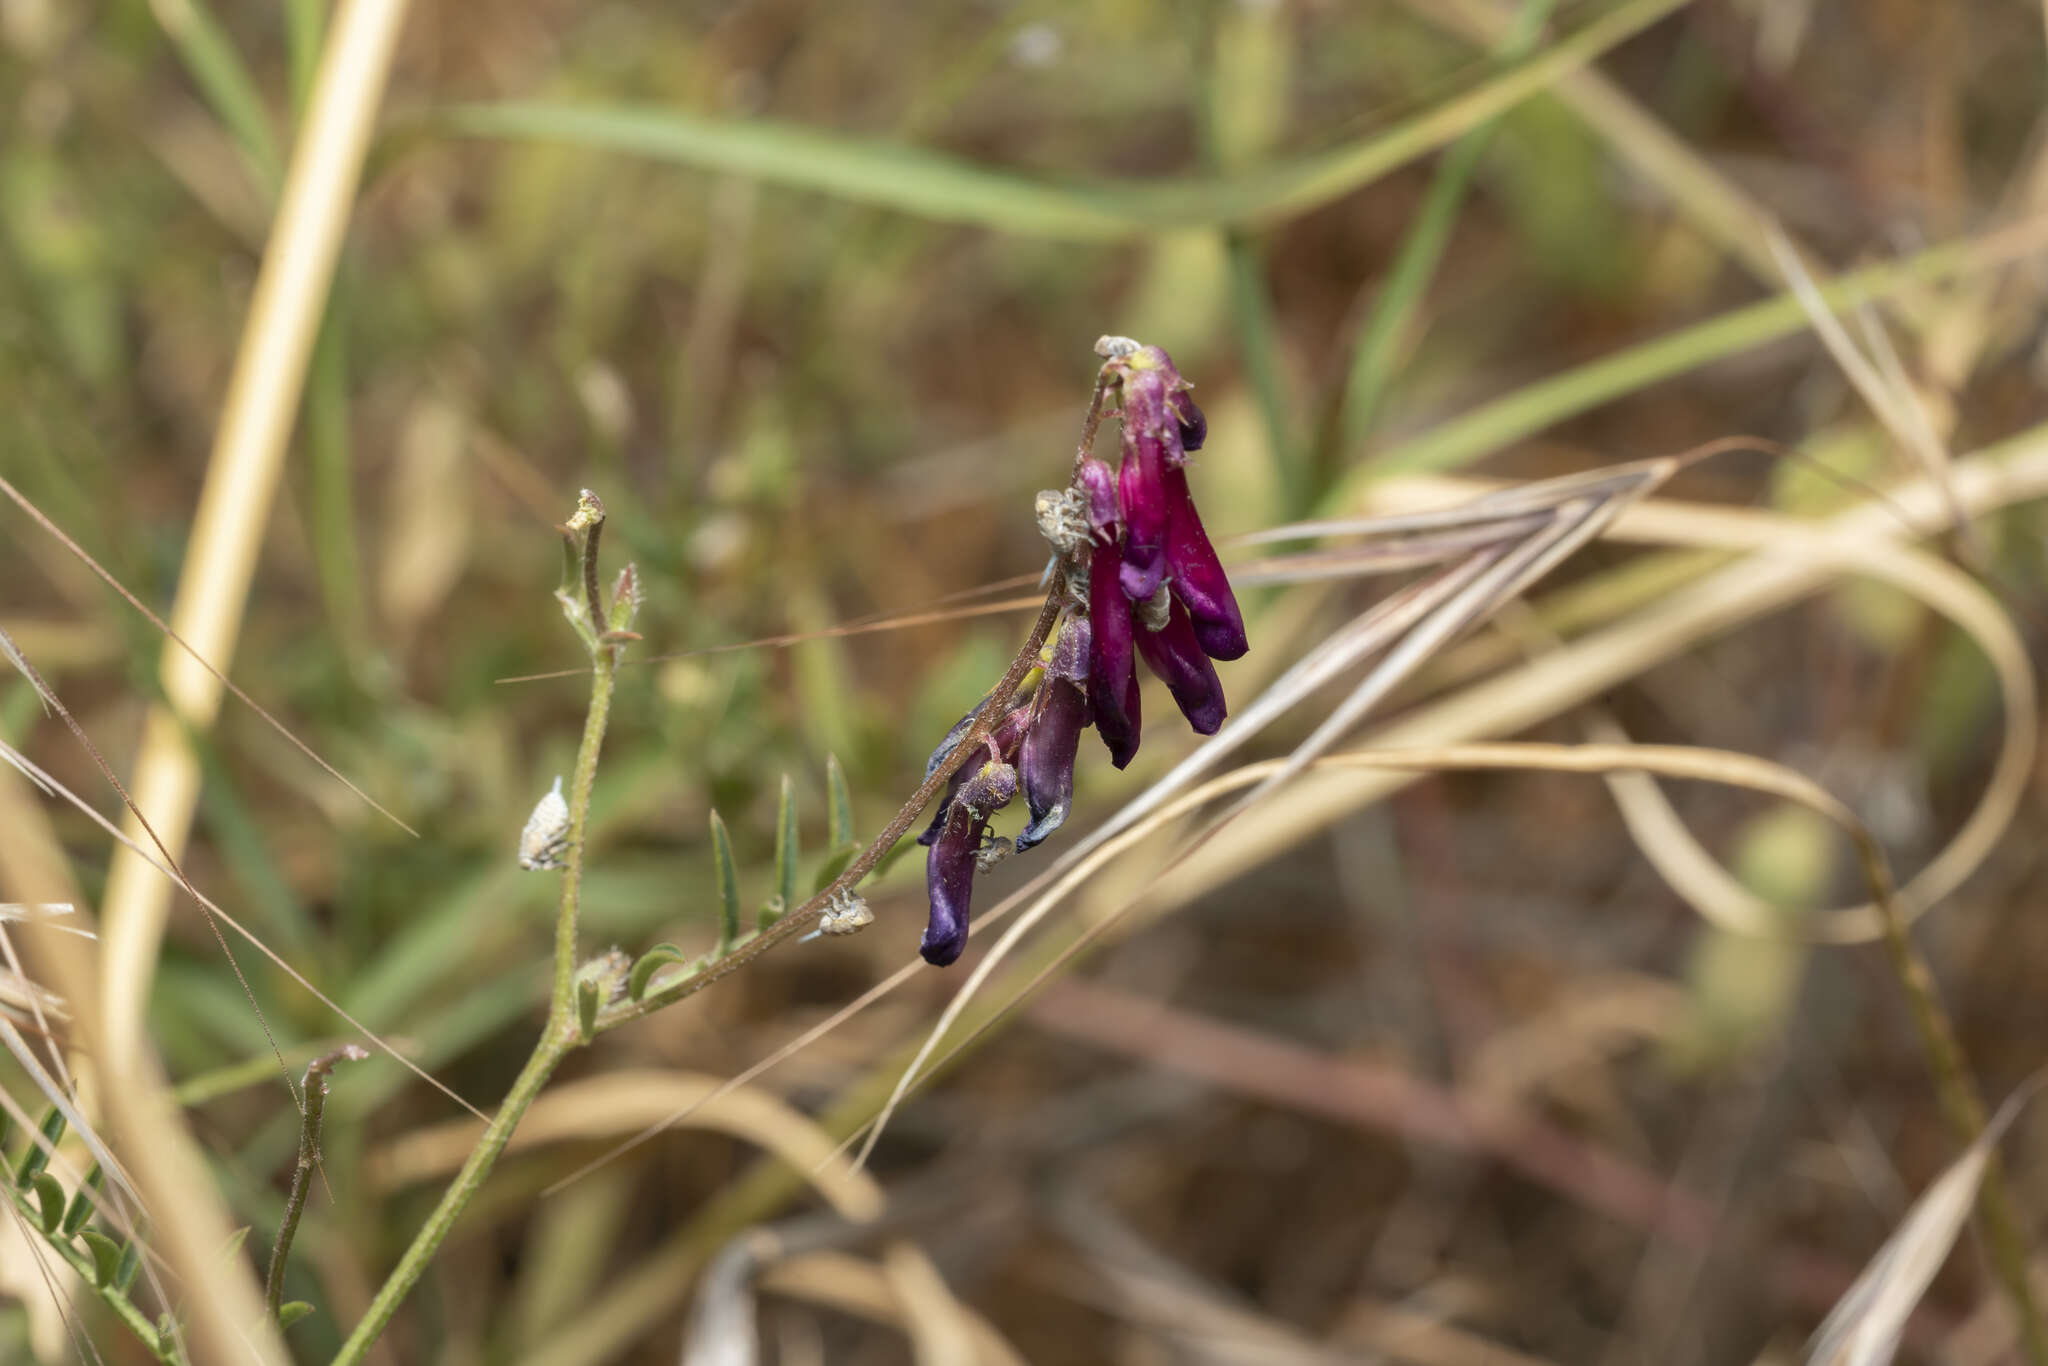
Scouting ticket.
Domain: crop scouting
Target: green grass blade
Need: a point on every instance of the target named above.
(1529, 410)
(1258, 343)
(224, 79)
(948, 189)
(1378, 351)
(305, 25)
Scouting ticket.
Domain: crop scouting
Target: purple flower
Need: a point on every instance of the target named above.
(1198, 577)
(1045, 764)
(950, 867)
(1153, 587)
(1112, 661)
(1176, 656)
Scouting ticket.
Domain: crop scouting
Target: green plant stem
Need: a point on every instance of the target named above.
(555, 1042)
(562, 1004)
(302, 1174)
(1388, 326)
(561, 1034)
(1963, 1108)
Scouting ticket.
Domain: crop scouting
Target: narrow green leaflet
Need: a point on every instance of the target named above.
(79, 1212)
(37, 1155)
(651, 962)
(838, 806)
(106, 1256)
(50, 1197)
(728, 884)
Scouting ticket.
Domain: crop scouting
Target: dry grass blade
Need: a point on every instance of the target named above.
(213, 908)
(1696, 875)
(1134, 1280)
(1540, 525)
(169, 864)
(1889, 394)
(838, 1281)
(1864, 1328)
(624, 1101)
(1789, 567)
(1706, 765)
(85, 557)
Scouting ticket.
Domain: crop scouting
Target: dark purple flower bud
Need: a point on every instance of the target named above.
(1045, 763)
(1176, 656)
(1098, 492)
(1198, 577)
(1194, 428)
(949, 868)
(1007, 734)
(1112, 658)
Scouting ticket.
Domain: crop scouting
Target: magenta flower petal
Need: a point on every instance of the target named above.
(1112, 660)
(1198, 577)
(1176, 656)
(1142, 484)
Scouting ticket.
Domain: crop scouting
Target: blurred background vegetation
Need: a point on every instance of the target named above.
(817, 369)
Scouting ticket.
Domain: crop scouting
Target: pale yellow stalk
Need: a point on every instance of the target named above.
(234, 507)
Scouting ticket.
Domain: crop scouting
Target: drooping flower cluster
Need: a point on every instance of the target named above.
(1141, 581)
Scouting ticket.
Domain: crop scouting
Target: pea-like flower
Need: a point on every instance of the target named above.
(1143, 583)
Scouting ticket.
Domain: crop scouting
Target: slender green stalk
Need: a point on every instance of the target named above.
(1956, 1089)
(1258, 344)
(563, 1001)
(563, 1031)
(302, 1174)
(1393, 314)
(555, 1042)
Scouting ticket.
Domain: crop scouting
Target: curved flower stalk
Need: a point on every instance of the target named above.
(1143, 582)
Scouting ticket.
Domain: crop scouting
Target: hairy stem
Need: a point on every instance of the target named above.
(302, 1175)
(562, 1033)
(555, 1043)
